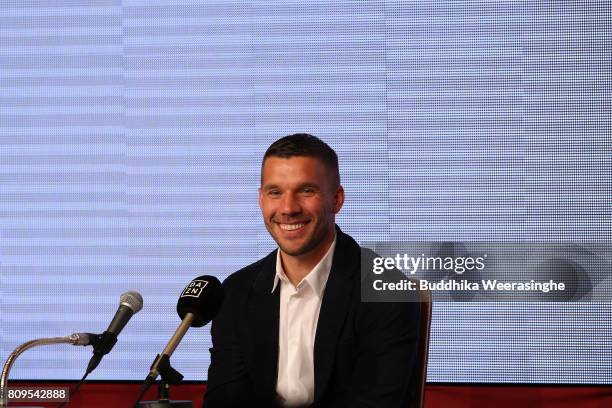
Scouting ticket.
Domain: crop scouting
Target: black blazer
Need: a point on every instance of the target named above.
(364, 353)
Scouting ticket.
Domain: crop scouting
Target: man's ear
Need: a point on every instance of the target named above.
(338, 199)
(260, 197)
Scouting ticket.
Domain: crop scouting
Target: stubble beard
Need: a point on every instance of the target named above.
(311, 242)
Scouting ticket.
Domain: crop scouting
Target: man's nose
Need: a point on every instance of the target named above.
(290, 204)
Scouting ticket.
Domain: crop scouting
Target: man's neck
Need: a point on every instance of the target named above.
(298, 267)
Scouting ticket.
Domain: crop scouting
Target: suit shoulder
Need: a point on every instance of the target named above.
(247, 275)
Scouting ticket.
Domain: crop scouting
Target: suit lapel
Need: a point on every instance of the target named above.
(263, 318)
(334, 309)
(263, 315)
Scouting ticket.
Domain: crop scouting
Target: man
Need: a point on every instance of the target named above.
(292, 330)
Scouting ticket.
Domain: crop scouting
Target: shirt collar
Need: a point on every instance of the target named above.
(316, 279)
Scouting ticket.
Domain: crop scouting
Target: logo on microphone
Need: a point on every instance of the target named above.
(195, 288)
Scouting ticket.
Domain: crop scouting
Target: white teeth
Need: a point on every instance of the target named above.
(291, 227)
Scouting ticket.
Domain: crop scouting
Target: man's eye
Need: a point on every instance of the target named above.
(273, 193)
(308, 190)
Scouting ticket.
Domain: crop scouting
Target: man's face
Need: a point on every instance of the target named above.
(299, 199)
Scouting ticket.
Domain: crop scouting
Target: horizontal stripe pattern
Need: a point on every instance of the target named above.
(131, 137)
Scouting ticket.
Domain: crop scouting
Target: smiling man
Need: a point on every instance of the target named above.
(293, 330)
(299, 202)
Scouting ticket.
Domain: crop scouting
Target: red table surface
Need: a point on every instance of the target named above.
(123, 395)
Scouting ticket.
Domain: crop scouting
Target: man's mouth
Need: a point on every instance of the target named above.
(291, 227)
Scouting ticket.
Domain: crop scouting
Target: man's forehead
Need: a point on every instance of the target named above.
(306, 169)
(293, 160)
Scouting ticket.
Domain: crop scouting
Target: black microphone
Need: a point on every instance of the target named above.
(130, 303)
(198, 304)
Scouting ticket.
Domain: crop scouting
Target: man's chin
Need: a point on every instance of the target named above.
(296, 248)
(292, 251)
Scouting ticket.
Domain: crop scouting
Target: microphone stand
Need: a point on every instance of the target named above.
(164, 399)
(168, 376)
(74, 339)
(161, 366)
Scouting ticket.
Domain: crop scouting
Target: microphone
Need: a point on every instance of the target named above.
(130, 303)
(198, 304)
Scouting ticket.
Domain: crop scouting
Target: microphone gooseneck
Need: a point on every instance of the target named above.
(74, 339)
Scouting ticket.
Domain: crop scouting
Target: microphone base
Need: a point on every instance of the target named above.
(165, 404)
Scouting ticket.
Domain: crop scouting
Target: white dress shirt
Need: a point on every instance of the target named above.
(298, 317)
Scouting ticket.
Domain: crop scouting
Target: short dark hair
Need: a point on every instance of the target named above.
(305, 145)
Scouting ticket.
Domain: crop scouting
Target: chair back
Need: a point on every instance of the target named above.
(422, 349)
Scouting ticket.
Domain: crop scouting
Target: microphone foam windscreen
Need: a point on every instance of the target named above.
(203, 298)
